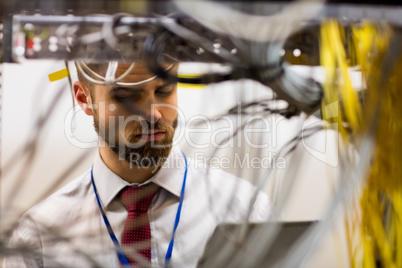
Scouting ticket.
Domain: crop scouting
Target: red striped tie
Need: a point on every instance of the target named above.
(137, 232)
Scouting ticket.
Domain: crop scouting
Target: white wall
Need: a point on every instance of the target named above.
(27, 93)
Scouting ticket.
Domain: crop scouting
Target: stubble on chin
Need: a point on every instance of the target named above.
(135, 151)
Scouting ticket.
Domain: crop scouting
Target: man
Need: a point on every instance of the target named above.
(89, 223)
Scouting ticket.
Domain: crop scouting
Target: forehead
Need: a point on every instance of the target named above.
(139, 72)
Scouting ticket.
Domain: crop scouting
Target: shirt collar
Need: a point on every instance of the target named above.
(169, 177)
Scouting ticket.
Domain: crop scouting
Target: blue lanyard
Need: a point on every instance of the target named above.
(119, 250)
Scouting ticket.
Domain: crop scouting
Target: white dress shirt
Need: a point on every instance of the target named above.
(67, 229)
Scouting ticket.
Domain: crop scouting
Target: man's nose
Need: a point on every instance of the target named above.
(151, 112)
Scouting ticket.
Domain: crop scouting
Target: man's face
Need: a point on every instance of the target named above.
(137, 123)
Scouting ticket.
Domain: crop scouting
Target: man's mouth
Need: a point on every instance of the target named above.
(152, 135)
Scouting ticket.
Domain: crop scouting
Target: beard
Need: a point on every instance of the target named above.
(132, 148)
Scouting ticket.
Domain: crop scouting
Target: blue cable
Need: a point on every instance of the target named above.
(176, 223)
(119, 250)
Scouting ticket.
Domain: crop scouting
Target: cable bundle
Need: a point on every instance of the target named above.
(374, 228)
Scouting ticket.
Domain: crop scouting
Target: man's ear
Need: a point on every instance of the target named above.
(81, 93)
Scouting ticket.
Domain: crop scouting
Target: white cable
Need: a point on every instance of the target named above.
(225, 20)
(111, 72)
(91, 38)
(127, 72)
(108, 29)
(81, 65)
(123, 84)
(86, 68)
(87, 77)
(132, 84)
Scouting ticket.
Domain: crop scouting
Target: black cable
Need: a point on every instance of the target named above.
(154, 48)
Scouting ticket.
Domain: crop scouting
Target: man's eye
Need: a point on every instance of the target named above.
(164, 91)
